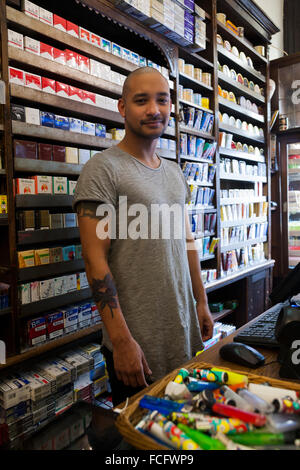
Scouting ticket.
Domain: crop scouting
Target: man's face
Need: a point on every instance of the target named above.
(146, 105)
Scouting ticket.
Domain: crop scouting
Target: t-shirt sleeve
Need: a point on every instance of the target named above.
(97, 182)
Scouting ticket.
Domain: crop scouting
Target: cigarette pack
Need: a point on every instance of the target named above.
(79, 361)
(59, 153)
(104, 71)
(32, 116)
(125, 54)
(15, 39)
(71, 187)
(84, 34)
(13, 391)
(26, 259)
(100, 101)
(31, 9)
(60, 23)
(33, 81)
(71, 282)
(75, 93)
(96, 318)
(25, 186)
(116, 49)
(47, 119)
(135, 58)
(60, 185)
(62, 89)
(41, 257)
(59, 285)
(69, 220)
(55, 254)
(45, 152)
(78, 252)
(43, 184)
(46, 51)
(16, 76)
(70, 319)
(89, 98)
(56, 221)
(18, 113)
(24, 293)
(75, 125)
(59, 56)
(72, 155)
(71, 59)
(3, 204)
(37, 331)
(100, 130)
(106, 45)
(84, 315)
(46, 289)
(83, 156)
(35, 291)
(25, 149)
(95, 68)
(95, 39)
(48, 85)
(83, 280)
(62, 122)
(43, 414)
(31, 45)
(39, 386)
(68, 253)
(55, 324)
(72, 29)
(88, 128)
(46, 16)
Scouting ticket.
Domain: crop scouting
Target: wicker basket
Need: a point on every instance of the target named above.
(131, 416)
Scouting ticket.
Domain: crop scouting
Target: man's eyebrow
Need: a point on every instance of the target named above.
(144, 95)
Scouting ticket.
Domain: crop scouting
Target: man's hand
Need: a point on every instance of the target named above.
(205, 320)
(130, 364)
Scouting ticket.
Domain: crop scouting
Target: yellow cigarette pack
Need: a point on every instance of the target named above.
(26, 259)
(42, 256)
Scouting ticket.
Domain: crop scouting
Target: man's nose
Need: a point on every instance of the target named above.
(152, 107)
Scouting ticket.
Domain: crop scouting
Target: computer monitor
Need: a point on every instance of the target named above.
(288, 287)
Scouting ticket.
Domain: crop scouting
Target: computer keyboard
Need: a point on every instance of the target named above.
(262, 332)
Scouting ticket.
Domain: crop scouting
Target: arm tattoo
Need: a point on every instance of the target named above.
(105, 293)
(88, 209)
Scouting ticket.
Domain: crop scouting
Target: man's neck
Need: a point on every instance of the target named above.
(141, 149)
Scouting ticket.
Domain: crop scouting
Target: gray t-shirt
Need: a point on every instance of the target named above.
(151, 275)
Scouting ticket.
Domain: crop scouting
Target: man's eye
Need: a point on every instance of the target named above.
(163, 101)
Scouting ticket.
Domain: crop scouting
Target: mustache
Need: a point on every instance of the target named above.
(147, 121)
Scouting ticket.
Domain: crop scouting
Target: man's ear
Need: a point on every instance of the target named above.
(121, 107)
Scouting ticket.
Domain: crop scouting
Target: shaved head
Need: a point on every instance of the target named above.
(137, 72)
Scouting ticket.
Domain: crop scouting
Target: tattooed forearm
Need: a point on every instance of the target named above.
(88, 209)
(105, 293)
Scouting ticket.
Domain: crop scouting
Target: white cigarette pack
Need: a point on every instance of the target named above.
(70, 319)
(105, 71)
(72, 155)
(25, 186)
(31, 9)
(84, 156)
(25, 295)
(15, 39)
(35, 291)
(60, 185)
(100, 101)
(59, 285)
(13, 391)
(57, 372)
(43, 184)
(39, 386)
(71, 187)
(46, 16)
(32, 116)
(71, 282)
(95, 68)
(46, 289)
(32, 45)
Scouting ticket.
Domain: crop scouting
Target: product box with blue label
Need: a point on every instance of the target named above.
(100, 130)
(37, 331)
(116, 50)
(88, 128)
(125, 54)
(70, 319)
(75, 125)
(84, 315)
(68, 253)
(62, 122)
(106, 45)
(47, 119)
(55, 324)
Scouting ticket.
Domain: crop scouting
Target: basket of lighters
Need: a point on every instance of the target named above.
(206, 408)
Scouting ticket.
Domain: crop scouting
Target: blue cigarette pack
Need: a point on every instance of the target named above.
(125, 54)
(68, 253)
(116, 50)
(47, 119)
(88, 128)
(106, 45)
(75, 125)
(62, 122)
(100, 130)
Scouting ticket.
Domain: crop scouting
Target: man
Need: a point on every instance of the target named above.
(148, 290)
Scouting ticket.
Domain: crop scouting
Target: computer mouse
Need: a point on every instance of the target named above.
(242, 354)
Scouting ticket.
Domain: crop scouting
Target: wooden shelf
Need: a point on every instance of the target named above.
(240, 110)
(27, 165)
(53, 303)
(52, 270)
(203, 135)
(251, 179)
(237, 61)
(237, 41)
(241, 133)
(49, 235)
(241, 155)
(238, 245)
(51, 345)
(41, 65)
(186, 78)
(217, 316)
(241, 88)
(25, 201)
(234, 223)
(76, 107)
(58, 135)
(16, 17)
(193, 105)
